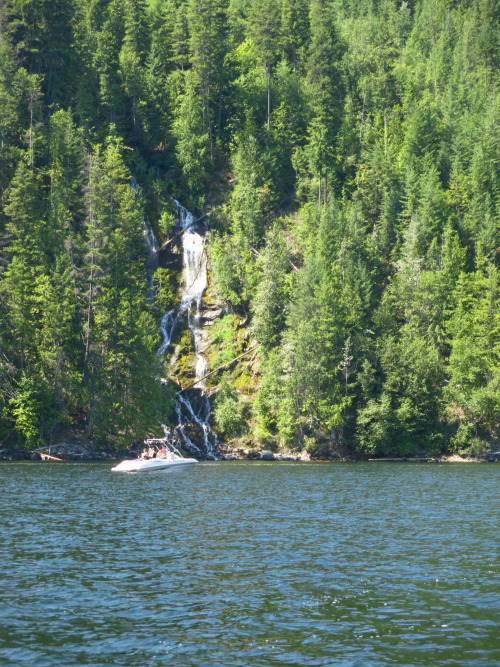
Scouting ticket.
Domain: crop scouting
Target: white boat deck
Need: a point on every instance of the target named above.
(170, 459)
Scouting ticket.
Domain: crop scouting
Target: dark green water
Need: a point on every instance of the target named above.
(249, 564)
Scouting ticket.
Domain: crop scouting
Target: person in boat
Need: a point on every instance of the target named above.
(152, 453)
(144, 454)
(163, 452)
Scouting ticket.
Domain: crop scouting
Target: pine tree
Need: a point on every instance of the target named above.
(119, 360)
(295, 31)
(272, 294)
(264, 23)
(132, 60)
(192, 147)
(474, 364)
(208, 40)
(325, 94)
(42, 35)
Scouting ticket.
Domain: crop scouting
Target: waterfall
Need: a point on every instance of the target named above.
(193, 406)
(149, 238)
(152, 246)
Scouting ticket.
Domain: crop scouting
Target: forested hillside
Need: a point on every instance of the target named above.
(348, 152)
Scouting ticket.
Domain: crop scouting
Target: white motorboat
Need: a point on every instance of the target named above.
(160, 456)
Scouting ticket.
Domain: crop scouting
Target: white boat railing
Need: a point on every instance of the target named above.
(164, 442)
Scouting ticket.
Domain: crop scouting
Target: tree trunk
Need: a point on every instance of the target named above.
(268, 67)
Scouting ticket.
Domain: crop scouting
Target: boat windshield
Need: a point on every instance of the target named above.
(162, 448)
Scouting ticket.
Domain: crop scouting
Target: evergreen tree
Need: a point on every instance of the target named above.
(42, 35)
(192, 139)
(208, 30)
(356, 140)
(325, 96)
(131, 59)
(264, 23)
(295, 30)
(272, 294)
(474, 367)
(119, 359)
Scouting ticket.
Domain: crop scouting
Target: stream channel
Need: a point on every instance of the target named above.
(192, 406)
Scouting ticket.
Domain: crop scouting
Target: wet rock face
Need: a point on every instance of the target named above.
(188, 438)
(193, 431)
(171, 258)
(209, 315)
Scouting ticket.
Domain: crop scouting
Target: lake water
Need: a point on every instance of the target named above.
(250, 564)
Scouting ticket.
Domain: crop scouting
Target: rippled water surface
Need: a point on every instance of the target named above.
(249, 564)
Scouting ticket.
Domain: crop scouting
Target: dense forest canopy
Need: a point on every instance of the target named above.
(349, 153)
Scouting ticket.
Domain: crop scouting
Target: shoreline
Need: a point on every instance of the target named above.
(65, 452)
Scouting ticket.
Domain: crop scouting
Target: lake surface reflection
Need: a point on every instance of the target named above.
(250, 564)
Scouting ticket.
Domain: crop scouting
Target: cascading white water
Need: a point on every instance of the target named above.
(152, 244)
(191, 409)
(195, 282)
(150, 240)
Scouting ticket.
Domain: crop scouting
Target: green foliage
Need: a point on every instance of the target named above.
(192, 140)
(275, 411)
(32, 410)
(224, 261)
(271, 299)
(474, 362)
(370, 127)
(118, 344)
(163, 289)
(223, 337)
(228, 417)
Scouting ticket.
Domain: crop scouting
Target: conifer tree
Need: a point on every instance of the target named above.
(295, 30)
(270, 303)
(357, 139)
(119, 355)
(264, 23)
(325, 95)
(208, 31)
(43, 37)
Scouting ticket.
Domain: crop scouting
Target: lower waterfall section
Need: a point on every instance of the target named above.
(193, 431)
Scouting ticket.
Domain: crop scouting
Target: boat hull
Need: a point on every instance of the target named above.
(153, 465)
